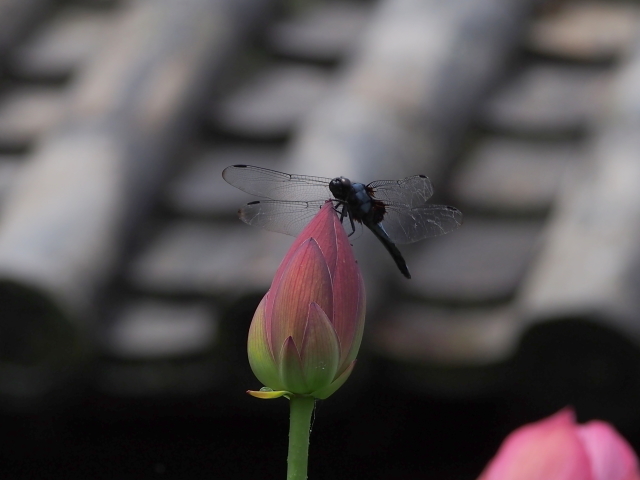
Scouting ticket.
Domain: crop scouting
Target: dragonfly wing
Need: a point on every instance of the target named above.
(282, 217)
(266, 183)
(412, 191)
(408, 225)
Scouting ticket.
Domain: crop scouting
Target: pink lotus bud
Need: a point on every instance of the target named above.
(306, 332)
(557, 448)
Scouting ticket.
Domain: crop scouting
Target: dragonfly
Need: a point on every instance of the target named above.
(396, 211)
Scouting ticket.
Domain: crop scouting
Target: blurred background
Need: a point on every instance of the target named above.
(127, 283)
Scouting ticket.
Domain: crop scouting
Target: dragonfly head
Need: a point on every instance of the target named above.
(340, 187)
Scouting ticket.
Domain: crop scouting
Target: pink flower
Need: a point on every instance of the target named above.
(557, 448)
(306, 332)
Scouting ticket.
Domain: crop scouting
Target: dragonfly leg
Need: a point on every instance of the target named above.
(343, 213)
(353, 225)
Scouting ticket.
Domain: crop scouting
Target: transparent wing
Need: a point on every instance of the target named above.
(289, 217)
(282, 217)
(266, 183)
(412, 191)
(408, 225)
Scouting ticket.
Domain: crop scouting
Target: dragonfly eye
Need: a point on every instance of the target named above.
(340, 187)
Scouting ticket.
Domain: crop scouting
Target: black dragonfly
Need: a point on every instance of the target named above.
(396, 211)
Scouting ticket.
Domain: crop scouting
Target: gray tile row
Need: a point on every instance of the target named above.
(556, 152)
(95, 172)
(414, 76)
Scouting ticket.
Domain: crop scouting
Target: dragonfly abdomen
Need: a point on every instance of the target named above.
(379, 232)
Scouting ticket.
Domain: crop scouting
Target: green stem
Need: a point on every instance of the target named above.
(299, 430)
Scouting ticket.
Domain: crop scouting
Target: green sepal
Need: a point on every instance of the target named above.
(291, 373)
(320, 352)
(260, 356)
(329, 390)
(268, 394)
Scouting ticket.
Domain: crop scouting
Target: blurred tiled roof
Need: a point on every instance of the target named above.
(120, 255)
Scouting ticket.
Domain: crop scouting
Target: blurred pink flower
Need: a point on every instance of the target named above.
(557, 448)
(306, 332)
